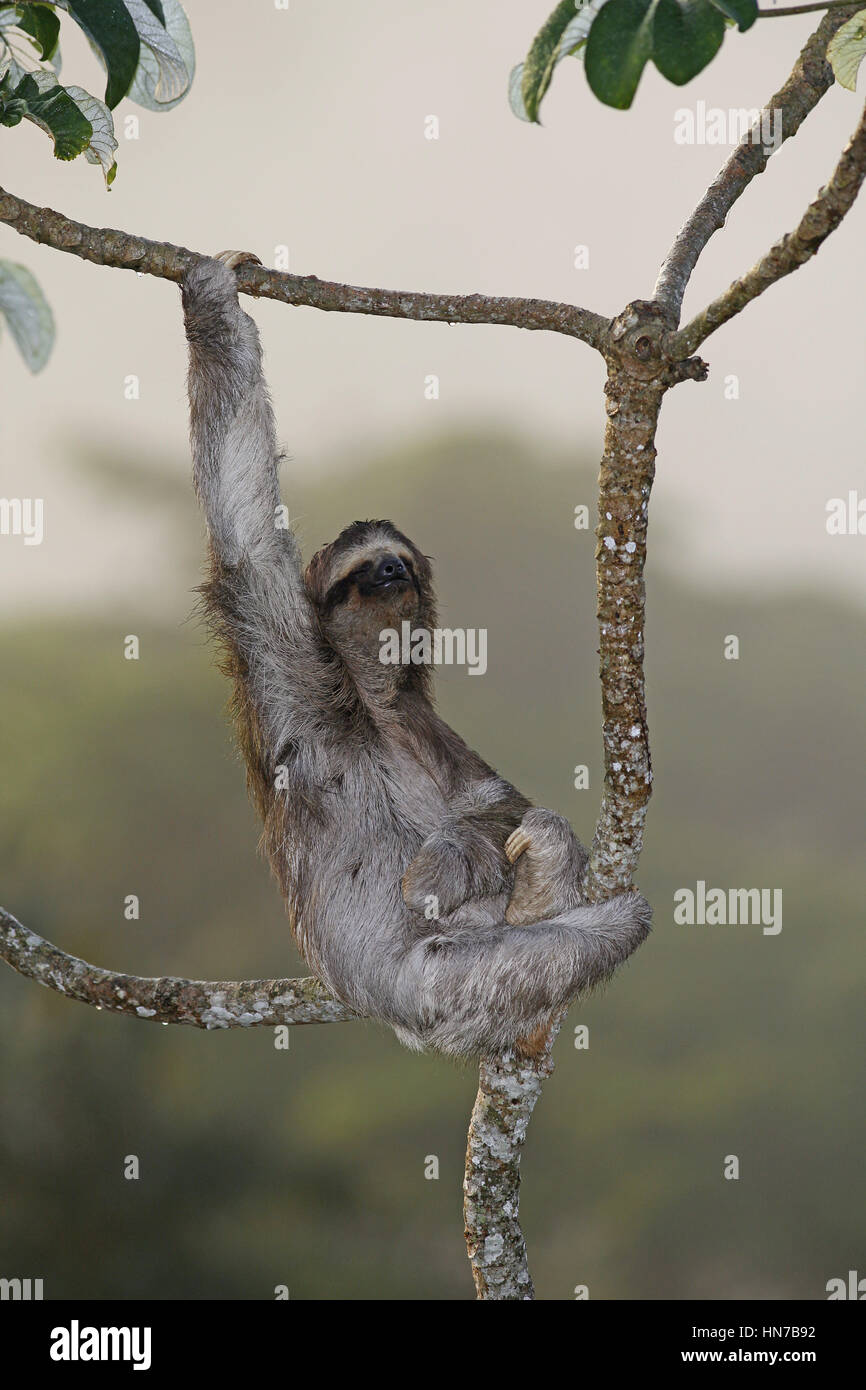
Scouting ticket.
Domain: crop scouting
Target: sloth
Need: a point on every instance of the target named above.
(422, 888)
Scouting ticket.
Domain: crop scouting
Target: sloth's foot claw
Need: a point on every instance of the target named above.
(517, 842)
(548, 865)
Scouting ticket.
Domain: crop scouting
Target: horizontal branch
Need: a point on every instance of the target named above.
(788, 11)
(822, 217)
(105, 246)
(780, 119)
(199, 1003)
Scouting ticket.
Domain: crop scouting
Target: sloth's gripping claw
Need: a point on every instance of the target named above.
(516, 843)
(235, 258)
(549, 863)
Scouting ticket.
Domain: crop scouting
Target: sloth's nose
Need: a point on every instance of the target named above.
(389, 567)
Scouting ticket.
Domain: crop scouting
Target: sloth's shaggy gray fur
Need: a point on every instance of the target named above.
(376, 814)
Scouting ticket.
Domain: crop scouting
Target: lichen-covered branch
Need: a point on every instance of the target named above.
(634, 391)
(639, 373)
(793, 250)
(105, 246)
(780, 119)
(506, 1098)
(199, 1003)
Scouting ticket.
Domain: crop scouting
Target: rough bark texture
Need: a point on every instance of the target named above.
(638, 376)
(199, 1003)
(635, 386)
(106, 246)
(506, 1098)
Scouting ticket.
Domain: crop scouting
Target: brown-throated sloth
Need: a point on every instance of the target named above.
(377, 816)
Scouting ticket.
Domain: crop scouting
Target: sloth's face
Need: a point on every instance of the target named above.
(377, 587)
(380, 578)
(366, 583)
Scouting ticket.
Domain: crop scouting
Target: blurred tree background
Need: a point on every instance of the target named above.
(306, 1168)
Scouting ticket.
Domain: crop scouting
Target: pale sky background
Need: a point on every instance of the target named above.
(306, 127)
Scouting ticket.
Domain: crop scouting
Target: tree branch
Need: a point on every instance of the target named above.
(788, 11)
(787, 255)
(638, 377)
(811, 77)
(105, 246)
(507, 1092)
(200, 1003)
(508, 1089)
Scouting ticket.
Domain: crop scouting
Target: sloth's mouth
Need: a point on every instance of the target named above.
(400, 581)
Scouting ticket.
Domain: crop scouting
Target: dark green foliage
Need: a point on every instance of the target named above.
(680, 36)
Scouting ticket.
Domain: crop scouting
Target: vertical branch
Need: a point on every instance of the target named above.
(508, 1089)
(625, 482)
(506, 1098)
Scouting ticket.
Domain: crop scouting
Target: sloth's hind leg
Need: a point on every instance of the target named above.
(549, 862)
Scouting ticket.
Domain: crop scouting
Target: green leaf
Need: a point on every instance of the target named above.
(619, 46)
(156, 8)
(112, 33)
(40, 98)
(574, 39)
(515, 92)
(617, 38)
(167, 63)
(541, 58)
(42, 25)
(742, 12)
(687, 35)
(103, 142)
(28, 314)
(846, 50)
(77, 122)
(571, 43)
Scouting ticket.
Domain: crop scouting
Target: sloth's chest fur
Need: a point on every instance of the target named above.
(385, 792)
(398, 778)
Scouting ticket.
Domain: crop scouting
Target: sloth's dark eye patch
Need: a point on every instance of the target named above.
(338, 593)
(370, 577)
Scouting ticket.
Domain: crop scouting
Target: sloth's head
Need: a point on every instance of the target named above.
(371, 578)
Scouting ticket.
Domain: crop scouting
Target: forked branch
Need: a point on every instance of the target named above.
(780, 119)
(788, 254)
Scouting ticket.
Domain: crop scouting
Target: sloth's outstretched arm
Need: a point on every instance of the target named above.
(256, 596)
